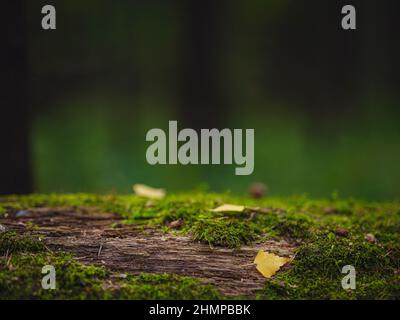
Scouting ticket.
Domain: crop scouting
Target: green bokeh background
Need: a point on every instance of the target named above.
(91, 137)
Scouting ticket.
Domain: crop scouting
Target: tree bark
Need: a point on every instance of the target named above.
(15, 169)
(101, 239)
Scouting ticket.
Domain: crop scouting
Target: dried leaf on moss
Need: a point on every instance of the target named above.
(148, 192)
(268, 263)
(229, 208)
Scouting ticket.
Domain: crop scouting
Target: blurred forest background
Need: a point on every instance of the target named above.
(79, 100)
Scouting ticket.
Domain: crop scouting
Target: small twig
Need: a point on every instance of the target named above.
(80, 258)
(101, 247)
(5, 258)
(8, 262)
(247, 265)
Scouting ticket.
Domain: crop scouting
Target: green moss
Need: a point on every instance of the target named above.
(165, 286)
(22, 258)
(294, 226)
(368, 287)
(327, 254)
(291, 218)
(14, 202)
(316, 271)
(10, 243)
(22, 276)
(220, 232)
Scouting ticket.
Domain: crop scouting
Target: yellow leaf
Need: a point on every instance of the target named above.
(268, 263)
(148, 192)
(229, 208)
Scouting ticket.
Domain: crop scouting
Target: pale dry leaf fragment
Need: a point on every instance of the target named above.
(175, 224)
(148, 192)
(268, 263)
(229, 208)
(2, 228)
(370, 238)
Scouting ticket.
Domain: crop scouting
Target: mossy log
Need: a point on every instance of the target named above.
(94, 239)
(138, 250)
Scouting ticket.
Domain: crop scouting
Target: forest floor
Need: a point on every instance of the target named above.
(128, 247)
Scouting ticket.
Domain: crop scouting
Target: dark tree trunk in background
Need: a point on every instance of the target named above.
(316, 62)
(202, 102)
(381, 48)
(15, 171)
